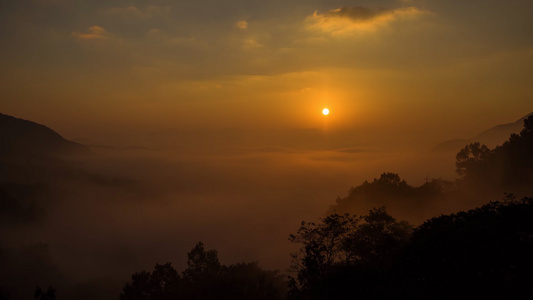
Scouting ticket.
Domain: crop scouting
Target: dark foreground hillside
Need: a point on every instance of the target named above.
(484, 253)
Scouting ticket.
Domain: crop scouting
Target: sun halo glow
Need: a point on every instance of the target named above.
(325, 111)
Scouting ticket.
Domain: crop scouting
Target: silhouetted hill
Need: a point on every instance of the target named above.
(491, 137)
(406, 201)
(20, 137)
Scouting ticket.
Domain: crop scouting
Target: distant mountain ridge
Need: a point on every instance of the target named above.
(19, 137)
(491, 137)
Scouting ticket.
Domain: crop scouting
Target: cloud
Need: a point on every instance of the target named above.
(249, 44)
(356, 14)
(94, 32)
(359, 19)
(242, 25)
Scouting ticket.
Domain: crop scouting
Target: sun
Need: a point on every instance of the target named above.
(325, 111)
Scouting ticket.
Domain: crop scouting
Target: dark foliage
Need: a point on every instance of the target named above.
(205, 278)
(161, 284)
(509, 166)
(25, 268)
(481, 253)
(40, 294)
(484, 253)
(344, 255)
(4, 295)
(390, 190)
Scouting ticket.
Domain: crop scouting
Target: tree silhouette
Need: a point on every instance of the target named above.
(202, 264)
(471, 155)
(390, 179)
(50, 294)
(4, 295)
(202, 277)
(343, 252)
(393, 192)
(248, 281)
(508, 167)
(378, 238)
(161, 284)
(205, 278)
(481, 253)
(324, 246)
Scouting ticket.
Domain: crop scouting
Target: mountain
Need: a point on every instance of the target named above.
(31, 156)
(491, 137)
(20, 137)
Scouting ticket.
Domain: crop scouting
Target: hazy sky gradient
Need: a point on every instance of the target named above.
(426, 69)
(224, 100)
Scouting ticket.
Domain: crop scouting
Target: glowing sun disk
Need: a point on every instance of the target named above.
(325, 111)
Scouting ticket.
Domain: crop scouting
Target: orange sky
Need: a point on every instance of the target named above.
(225, 100)
(425, 70)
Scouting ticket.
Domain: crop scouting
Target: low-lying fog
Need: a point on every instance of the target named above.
(121, 210)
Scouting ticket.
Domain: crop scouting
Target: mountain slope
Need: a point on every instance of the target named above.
(20, 137)
(491, 137)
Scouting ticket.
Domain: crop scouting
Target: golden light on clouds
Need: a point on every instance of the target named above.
(242, 25)
(373, 64)
(359, 19)
(249, 44)
(94, 32)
